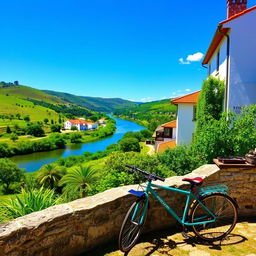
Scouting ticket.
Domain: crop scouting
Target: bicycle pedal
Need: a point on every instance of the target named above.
(185, 235)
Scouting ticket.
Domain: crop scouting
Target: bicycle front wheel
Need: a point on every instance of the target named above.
(223, 208)
(132, 225)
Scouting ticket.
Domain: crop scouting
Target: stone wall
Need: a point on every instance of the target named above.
(81, 225)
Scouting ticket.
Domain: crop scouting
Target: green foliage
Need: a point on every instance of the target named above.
(26, 118)
(74, 128)
(9, 174)
(14, 137)
(55, 128)
(46, 120)
(50, 174)
(210, 103)
(78, 181)
(114, 174)
(75, 137)
(8, 129)
(108, 130)
(235, 135)
(29, 201)
(35, 130)
(181, 159)
(129, 144)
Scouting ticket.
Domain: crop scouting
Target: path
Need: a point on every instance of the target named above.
(242, 242)
(151, 150)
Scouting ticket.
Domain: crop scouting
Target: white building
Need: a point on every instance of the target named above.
(80, 124)
(231, 55)
(165, 136)
(186, 117)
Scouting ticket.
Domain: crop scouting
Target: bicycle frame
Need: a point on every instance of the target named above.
(181, 220)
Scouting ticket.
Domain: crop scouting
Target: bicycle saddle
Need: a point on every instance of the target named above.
(198, 181)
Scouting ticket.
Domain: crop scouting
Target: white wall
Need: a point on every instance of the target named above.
(185, 124)
(242, 84)
(242, 76)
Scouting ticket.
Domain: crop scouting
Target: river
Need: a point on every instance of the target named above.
(32, 162)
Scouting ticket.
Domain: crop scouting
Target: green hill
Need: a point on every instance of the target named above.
(25, 92)
(94, 103)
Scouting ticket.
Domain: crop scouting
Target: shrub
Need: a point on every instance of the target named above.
(129, 144)
(9, 174)
(29, 201)
(35, 130)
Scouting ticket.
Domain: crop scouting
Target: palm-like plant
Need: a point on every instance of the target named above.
(79, 180)
(49, 175)
(27, 202)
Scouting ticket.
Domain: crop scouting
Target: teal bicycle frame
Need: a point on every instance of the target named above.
(181, 220)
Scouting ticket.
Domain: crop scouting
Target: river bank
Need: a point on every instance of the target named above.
(34, 161)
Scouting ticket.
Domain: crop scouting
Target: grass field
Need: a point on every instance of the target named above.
(13, 105)
(25, 92)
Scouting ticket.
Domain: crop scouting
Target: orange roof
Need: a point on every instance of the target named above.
(217, 38)
(171, 124)
(165, 145)
(77, 121)
(215, 43)
(189, 98)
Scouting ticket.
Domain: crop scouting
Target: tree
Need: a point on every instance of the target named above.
(73, 128)
(26, 118)
(49, 175)
(129, 144)
(79, 181)
(55, 128)
(9, 173)
(8, 129)
(46, 120)
(94, 118)
(35, 130)
(210, 103)
(14, 137)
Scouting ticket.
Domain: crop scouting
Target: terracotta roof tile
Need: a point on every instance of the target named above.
(189, 98)
(165, 145)
(171, 124)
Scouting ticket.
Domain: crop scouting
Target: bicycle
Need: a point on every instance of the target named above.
(209, 211)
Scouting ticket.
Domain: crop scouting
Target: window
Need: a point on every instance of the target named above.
(209, 69)
(218, 61)
(194, 113)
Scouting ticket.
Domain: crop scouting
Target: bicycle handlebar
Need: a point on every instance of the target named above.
(147, 175)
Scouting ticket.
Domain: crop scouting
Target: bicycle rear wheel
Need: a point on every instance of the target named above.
(225, 210)
(132, 225)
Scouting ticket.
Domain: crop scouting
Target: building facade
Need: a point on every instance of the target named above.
(231, 55)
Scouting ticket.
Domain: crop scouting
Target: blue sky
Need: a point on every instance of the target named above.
(110, 48)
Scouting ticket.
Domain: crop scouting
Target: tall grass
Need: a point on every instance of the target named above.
(28, 201)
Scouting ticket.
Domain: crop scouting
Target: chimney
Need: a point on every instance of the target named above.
(235, 6)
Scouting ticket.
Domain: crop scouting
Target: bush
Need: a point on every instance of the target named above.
(129, 144)
(181, 160)
(29, 201)
(35, 130)
(9, 174)
(55, 128)
(115, 175)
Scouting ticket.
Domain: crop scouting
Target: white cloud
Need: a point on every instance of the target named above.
(187, 90)
(181, 60)
(195, 57)
(191, 58)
